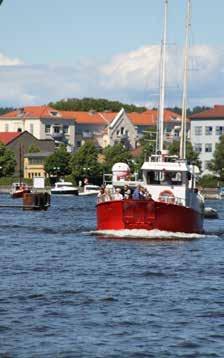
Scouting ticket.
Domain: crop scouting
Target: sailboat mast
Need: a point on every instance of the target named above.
(159, 144)
(183, 133)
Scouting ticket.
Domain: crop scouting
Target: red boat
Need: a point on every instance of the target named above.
(173, 206)
(18, 189)
(173, 203)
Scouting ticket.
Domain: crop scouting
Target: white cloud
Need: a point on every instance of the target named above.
(131, 77)
(6, 61)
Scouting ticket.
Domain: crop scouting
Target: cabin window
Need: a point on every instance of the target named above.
(164, 178)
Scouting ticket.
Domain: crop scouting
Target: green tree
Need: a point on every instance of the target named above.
(191, 155)
(7, 161)
(147, 148)
(59, 162)
(33, 148)
(217, 163)
(97, 104)
(114, 154)
(84, 163)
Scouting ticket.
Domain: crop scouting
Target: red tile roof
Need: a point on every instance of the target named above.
(216, 112)
(149, 117)
(37, 112)
(7, 137)
(92, 117)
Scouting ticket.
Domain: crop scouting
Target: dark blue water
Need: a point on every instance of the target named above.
(64, 292)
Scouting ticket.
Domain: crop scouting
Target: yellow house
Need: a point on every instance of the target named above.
(34, 164)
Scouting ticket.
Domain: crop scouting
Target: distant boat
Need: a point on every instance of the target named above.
(18, 189)
(64, 188)
(89, 189)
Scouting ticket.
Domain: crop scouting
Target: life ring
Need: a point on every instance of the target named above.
(167, 196)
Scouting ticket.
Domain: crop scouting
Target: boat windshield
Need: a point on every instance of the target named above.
(60, 185)
(164, 178)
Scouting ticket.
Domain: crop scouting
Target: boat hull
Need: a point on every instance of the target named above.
(64, 192)
(149, 215)
(19, 193)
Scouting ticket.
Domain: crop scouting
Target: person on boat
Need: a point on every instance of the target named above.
(127, 192)
(107, 194)
(138, 193)
(118, 195)
(101, 195)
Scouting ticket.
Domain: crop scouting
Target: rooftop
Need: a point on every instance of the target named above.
(216, 112)
(7, 137)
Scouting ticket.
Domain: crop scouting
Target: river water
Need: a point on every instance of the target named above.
(67, 292)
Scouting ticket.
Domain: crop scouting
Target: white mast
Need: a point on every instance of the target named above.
(159, 143)
(183, 133)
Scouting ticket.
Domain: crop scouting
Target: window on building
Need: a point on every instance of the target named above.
(219, 130)
(208, 147)
(31, 128)
(207, 163)
(208, 130)
(122, 130)
(47, 128)
(56, 129)
(126, 132)
(198, 130)
(198, 147)
(118, 132)
(65, 129)
(6, 127)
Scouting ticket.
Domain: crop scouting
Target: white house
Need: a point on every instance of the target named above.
(43, 122)
(206, 128)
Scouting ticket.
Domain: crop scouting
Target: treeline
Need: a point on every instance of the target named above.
(99, 105)
(4, 110)
(190, 112)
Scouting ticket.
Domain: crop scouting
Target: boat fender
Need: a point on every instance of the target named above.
(167, 196)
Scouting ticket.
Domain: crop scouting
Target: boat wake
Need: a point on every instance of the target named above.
(146, 235)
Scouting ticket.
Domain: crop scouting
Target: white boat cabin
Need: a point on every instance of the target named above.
(170, 179)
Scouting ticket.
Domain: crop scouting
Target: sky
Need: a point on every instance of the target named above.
(53, 49)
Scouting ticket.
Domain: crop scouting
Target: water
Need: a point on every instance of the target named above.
(66, 292)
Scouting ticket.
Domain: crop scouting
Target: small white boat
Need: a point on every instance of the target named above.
(64, 188)
(90, 189)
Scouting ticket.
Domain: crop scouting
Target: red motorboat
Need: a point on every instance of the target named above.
(18, 189)
(174, 206)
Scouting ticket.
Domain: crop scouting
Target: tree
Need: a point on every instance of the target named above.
(217, 163)
(84, 163)
(114, 154)
(7, 161)
(33, 148)
(97, 104)
(148, 143)
(59, 162)
(191, 155)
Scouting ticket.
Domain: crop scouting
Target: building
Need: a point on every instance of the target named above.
(105, 128)
(34, 164)
(43, 122)
(20, 143)
(206, 128)
(148, 119)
